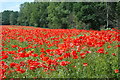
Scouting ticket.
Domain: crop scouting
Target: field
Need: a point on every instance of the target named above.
(28, 52)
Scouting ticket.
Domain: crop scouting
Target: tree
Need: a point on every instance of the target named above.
(0, 18)
(39, 14)
(33, 14)
(24, 14)
(64, 15)
(13, 18)
(118, 14)
(58, 15)
(92, 14)
(6, 17)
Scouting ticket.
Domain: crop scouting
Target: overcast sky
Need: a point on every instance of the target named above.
(12, 4)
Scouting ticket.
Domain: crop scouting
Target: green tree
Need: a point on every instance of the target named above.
(80, 15)
(58, 15)
(33, 14)
(0, 18)
(92, 14)
(118, 14)
(13, 18)
(39, 14)
(24, 14)
(6, 17)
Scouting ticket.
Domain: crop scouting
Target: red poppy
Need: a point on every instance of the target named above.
(22, 63)
(52, 69)
(74, 53)
(4, 57)
(116, 71)
(16, 58)
(34, 55)
(60, 58)
(45, 58)
(109, 46)
(101, 50)
(64, 63)
(66, 55)
(13, 64)
(32, 67)
(82, 55)
(10, 71)
(85, 64)
(42, 55)
(74, 66)
(75, 57)
(42, 50)
(20, 70)
(14, 46)
(88, 51)
(113, 54)
(106, 52)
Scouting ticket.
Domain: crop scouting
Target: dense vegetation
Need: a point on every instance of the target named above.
(80, 15)
(60, 51)
(29, 52)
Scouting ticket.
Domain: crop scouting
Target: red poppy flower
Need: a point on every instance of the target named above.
(101, 50)
(32, 67)
(60, 58)
(42, 50)
(66, 55)
(85, 64)
(106, 52)
(74, 53)
(22, 63)
(45, 58)
(88, 51)
(16, 58)
(14, 46)
(4, 57)
(82, 55)
(74, 66)
(64, 63)
(20, 70)
(10, 71)
(75, 57)
(42, 55)
(109, 46)
(52, 69)
(12, 64)
(116, 71)
(34, 55)
(113, 54)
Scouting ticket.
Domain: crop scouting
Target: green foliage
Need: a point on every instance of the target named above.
(100, 65)
(9, 17)
(56, 15)
(33, 14)
(13, 18)
(0, 18)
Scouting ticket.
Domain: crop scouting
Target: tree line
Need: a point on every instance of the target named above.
(63, 15)
(8, 17)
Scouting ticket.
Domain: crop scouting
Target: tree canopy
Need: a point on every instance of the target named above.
(56, 15)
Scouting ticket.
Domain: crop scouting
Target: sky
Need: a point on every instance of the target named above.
(12, 4)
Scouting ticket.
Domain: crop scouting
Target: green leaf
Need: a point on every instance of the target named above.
(80, 35)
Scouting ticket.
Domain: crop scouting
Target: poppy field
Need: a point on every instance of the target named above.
(29, 52)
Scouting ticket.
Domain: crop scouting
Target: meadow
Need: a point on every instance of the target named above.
(29, 52)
